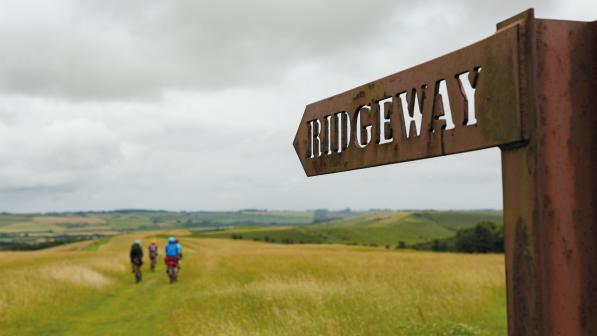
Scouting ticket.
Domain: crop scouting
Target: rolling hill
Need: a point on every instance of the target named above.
(374, 228)
(386, 228)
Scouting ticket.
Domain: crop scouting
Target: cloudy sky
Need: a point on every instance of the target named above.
(194, 104)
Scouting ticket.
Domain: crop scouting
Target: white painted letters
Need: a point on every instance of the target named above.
(442, 90)
(314, 136)
(342, 118)
(358, 131)
(331, 134)
(469, 96)
(383, 121)
(328, 134)
(416, 117)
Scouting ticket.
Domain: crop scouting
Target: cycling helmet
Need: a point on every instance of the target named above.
(137, 241)
(171, 240)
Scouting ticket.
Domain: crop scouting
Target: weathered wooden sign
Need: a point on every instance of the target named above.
(529, 89)
(463, 101)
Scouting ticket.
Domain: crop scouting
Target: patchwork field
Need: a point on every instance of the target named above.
(232, 287)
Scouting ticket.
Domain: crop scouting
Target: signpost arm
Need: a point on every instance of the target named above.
(550, 183)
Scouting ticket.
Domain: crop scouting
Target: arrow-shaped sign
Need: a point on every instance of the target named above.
(465, 100)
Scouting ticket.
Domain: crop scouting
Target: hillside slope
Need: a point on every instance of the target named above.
(375, 228)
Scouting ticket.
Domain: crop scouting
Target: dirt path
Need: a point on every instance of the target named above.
(132, 308)
(142, 308)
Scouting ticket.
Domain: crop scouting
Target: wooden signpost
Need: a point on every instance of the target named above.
(528, 89)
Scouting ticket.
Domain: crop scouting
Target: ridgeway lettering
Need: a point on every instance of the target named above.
(333, 133)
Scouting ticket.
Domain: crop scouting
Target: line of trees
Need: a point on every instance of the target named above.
(484, 237)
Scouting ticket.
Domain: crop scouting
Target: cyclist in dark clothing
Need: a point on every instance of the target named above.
(136, 259)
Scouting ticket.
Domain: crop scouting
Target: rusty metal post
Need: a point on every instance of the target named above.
(550, 183)
(534, 82)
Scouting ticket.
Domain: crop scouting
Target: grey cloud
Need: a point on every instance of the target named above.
(193, 105)
(132, 49)
(60, 156)
(123, 49)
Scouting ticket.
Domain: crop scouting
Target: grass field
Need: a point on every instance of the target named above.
(374, 228)
(242, 287)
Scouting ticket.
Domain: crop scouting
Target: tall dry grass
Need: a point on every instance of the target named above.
(247, 288)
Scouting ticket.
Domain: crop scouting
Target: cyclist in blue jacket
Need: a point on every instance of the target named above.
(172, 251)
(172, 248)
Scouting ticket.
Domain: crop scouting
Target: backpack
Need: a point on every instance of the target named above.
(171, 250)
(153, 249)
